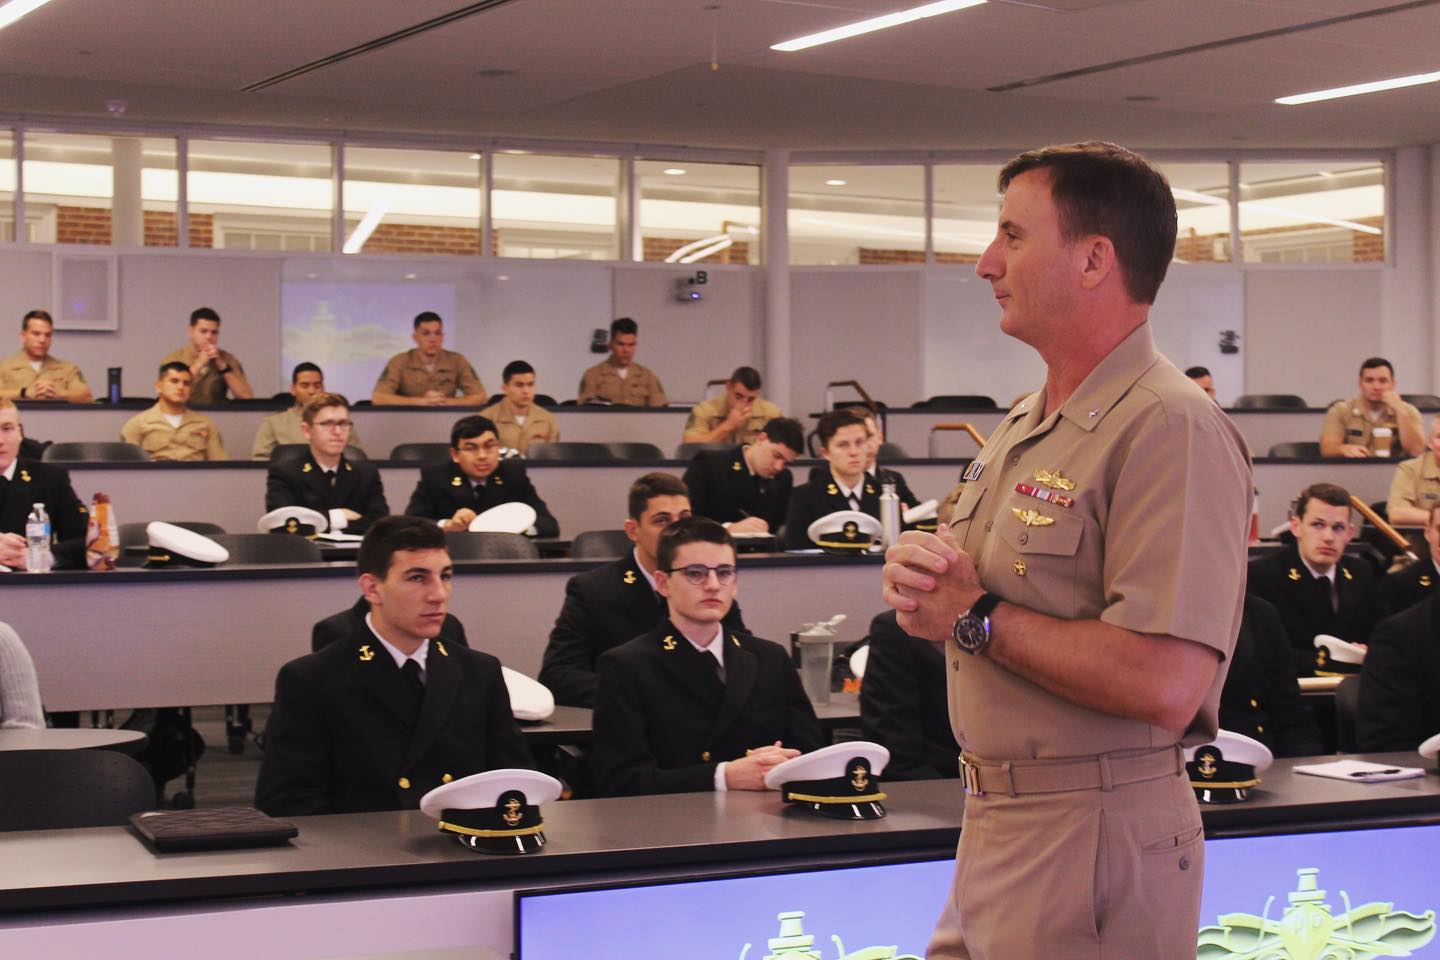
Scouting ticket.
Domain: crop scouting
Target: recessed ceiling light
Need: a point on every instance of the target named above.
(673, 172)
(474, 156)
(15, 9)
(835, 183)
(875, 23)
(1354, 90)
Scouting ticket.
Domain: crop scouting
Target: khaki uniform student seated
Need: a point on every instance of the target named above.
(429, 375)
(1375, 423)
(170, 430)
(517, 418)
(619, 379)
(738, 415)
(33, 374)
(214, 372)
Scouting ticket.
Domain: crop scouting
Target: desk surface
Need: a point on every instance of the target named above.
(125, 741)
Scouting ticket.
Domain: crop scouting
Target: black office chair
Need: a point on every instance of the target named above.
(892, 451)
(268, 548)
(1269, 401)
(955, 401)
(1347, 714)
(292, 452)
(1427, 402)
(635, 451)
(566, 450)
(687, 451)
(600, 545)
(490, 546)
(61, 789)
(95, 451)
(133, 534)
(1296, 450)
(421, 452)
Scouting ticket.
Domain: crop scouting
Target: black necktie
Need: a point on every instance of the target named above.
(719, 667)
(330, 476)
(413, 681)
(1328, 586)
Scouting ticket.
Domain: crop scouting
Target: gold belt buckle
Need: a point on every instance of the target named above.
(970, 775)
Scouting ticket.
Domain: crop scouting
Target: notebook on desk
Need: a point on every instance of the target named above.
(223, 828)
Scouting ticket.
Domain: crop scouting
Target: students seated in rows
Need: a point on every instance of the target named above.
(213, 371)
(33, 374)
(474, 480)
(747, 488)
(613, 603)
(1415, 487)
(378, 719)
(1314, 586)
(306, 381)
(518, 419)
(170, 430)
(875, 434)
(25, 482)
(845, 444)
(1261, 697)
(1376, 422)
(349, 493)
(736, 416)
(692, 705)
(429, 375)
(1407, 586)
(1400, 687)
(904, 706)
(618, 378)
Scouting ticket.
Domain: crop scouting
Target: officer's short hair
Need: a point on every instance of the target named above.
(747, 377)
(175, 365)
(203, 313)
(1101, 188)
(514, 369)
(468, 428)
(1327, 493)
(36, 315)
(689, 530)
(831, 423)
(389, 534)
(7, 404)
(785, 431)
(319, 402)
(623, 325)
(1195, 373)
(306, 367)
(425, 316)
(650, 486)
(1372, 362)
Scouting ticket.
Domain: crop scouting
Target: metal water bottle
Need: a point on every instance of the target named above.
(889, 514)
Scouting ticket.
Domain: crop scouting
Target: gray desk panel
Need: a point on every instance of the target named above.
(147, 639)
(1280, 480)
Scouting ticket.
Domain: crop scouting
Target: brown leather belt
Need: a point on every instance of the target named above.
(1103, 772)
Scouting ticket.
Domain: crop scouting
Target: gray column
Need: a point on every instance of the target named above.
(127, 211)
(1407, 315)
(776, 247)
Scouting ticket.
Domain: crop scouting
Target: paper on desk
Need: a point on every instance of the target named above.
(339, 537)
(1361, 771)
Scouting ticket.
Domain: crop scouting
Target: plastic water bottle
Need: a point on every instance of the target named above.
(889, 514)
(37, 540)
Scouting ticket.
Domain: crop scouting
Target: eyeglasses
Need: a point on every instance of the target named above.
(698, 573)
(333, 424)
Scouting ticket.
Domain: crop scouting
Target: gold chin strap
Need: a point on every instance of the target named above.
(1232, 785)
(472, 832)
(811, 798)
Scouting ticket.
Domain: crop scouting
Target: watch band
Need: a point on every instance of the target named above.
(983, 607)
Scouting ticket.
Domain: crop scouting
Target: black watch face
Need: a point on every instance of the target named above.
(970, 633)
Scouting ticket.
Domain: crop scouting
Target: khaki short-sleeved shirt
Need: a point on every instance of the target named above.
(407, 376)
(1416, 484)
(16, 373)
(284, 427)
(208, 389)
(1150, 536)
(709, 414)
(638, 388)
(1349, 421)
(197, 437)
(539, 426)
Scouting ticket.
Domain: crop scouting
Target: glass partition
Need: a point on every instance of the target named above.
(699, 212)
(1202, 201)
(1318, 212)
(967, 208)
(100, 190)
(411, 201)
(260, 196)
(852, 214)
(554, 208)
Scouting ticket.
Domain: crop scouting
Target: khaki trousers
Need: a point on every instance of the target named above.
(1077, 875)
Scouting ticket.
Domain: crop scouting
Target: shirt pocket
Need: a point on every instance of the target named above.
(964, 510)
(1038, 560)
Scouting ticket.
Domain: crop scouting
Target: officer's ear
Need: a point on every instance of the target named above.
(1099, 260)
(632, 530)
(662, 583)
(370, 587)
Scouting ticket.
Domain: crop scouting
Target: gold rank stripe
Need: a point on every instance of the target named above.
(812, 798)
(1230, 784)
(473, 832)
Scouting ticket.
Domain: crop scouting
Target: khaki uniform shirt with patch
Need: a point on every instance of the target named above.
(1350, 421)
(540, 426)
(638, 388)
(709, 414)
(1151, 540)
(406, 375)
(284, 427)
(208, 389)
(1416, 484)
(17, 374)
(197, 437)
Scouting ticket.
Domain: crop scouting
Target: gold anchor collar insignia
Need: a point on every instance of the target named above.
(734, 639)
(1293, 574)
(24, 475)
(735, 466)
(1346, 573)
(629, 577)
(348, 467)
(1425, 580)
(441, 647)
(1054, 480)
(498, 480)
(307, 468)
(832, 490)
(366, 654)
(1032, 518)
(668, 643)
(869, 489)
(456, 482)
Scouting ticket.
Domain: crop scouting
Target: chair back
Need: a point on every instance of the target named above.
(1347, 713)
(1427, 402)
(61, 789)
(1296, 450)
(421, 452)
(955, 401)
(600, 545)
(892, 451)
(490, 546)
(569, 450)
(269, 548)
(293, 452)
(687, 451)
(1269, 401)
(95, 451)
(635, 451)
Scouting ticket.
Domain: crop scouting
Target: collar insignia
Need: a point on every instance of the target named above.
(498, 480)
(456, 482)
(348, 467)
(1425, 580)
(366, 654)
(869, 489)
(973, 471)
(307, 468)
(1346, 573)
(1053, 479)
(832, 490)
(24, 475)
(1293, 574)
(735, 466)
(668, 643)
(734, 639)
(441, 647)
(1032, 518)
(629, 577)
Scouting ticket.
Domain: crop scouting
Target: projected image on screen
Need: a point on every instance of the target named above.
(352, 329)
(863, 913)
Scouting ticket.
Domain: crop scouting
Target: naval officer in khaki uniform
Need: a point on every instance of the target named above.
(1376, 423)
(1088, 590)
(1415, 488)
(170, 430)
(618, 378)
(32, 374)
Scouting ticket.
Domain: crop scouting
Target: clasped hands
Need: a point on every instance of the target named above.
(930, 581)
(748, 772)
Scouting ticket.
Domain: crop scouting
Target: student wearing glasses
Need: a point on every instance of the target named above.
(692, 706)
(347, 492)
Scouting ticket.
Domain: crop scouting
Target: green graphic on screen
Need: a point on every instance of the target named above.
(794, 943)
(1310, 930)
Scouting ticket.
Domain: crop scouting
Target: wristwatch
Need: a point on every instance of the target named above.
(972, 628)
